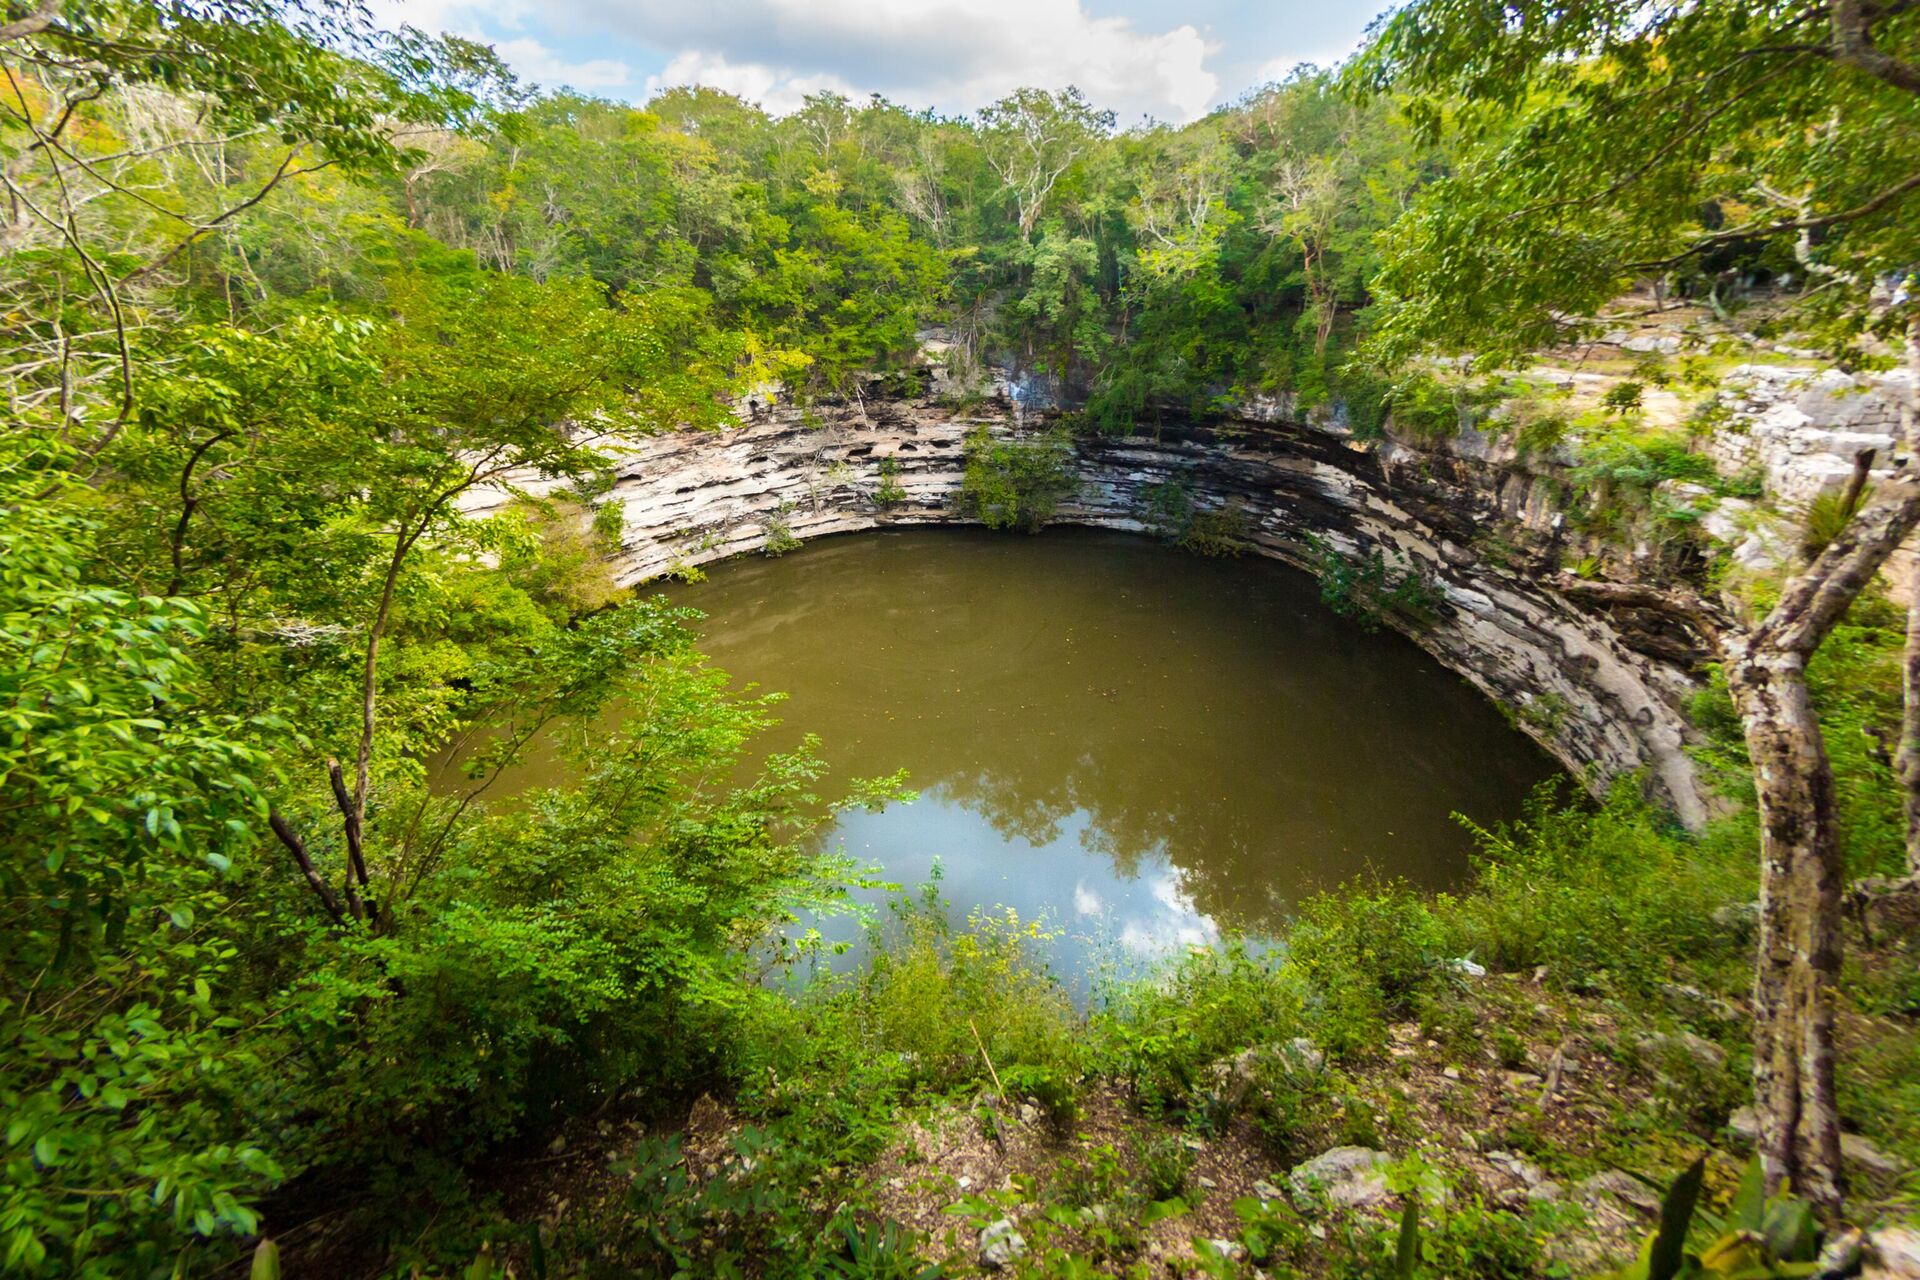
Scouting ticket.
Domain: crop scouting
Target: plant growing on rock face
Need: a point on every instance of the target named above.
(780, 539)
(1166, 509)
(1169, 512)
(889, 492)
(1220, 532)
(1368, 589)
(1828, 514)
(1017, 483)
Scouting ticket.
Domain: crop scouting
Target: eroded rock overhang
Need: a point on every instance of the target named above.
(1602, 702)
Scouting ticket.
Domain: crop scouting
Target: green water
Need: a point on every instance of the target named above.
(1146, 747)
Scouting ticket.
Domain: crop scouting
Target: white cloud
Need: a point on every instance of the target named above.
(779, 91)
(949, 54)
(1276, 69)
(533, 60)
(1086, 901)
(1179, 924)
(536, 63)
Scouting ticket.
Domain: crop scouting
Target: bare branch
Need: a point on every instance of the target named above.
(297, 847)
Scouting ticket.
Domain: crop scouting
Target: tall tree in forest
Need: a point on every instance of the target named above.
(218, 105)
(1609, 140)
(1031, 138)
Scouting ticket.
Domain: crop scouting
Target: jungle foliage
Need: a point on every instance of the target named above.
(319, 342)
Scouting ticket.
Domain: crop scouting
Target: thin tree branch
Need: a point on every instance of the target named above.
(297, 847)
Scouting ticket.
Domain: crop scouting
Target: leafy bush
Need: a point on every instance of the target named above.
(1166, 1163)
(753, 1213)
(1368, 589)
(1166, 509)
(938, 997)
(889, 492)
(1161, 1034)
(1016, 483)
(127, 803)
(1221, 531)
(1169, 512)
(1605, 897)
(779, 533)
(1052, 1090)
(1364, 953)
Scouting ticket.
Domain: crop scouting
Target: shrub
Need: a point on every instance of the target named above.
(940, 997)
(779, 534)
(1052, 1090)
(1368, 589)
(1161, 1034)
(889, 492)
(1219, 532)
(1602, 896)
(1017, 483)
(1364, 954)
(1166, 1163)
(1166, 509)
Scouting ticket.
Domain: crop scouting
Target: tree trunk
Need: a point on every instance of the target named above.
(1799, 954)
(1907, 760)
(1801, 862)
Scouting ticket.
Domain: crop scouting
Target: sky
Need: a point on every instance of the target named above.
(1166, 59)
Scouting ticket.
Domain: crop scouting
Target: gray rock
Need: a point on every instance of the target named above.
(1842, 1254)
(1706, 1055)
(1232, 1249)
(1525, 1170)
(1685, 999)
(1000, 1244)
(1266, 1190)
(1305, 1054)
(1893, 1254)
(1857, 1150)
(1233, 1078)
(1620, 1186)
(1349, 1177)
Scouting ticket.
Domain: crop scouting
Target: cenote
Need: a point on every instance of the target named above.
(1141, 748)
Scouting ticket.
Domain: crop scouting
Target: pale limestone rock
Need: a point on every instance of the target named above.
(692, 498)
(1349, 1177)
(1001, 1244)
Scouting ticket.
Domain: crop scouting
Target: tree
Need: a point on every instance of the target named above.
(127, 800)
(1031, 138)
(1612, 139)
(103, 96)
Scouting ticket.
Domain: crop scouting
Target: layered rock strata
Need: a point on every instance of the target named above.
(1604, 695)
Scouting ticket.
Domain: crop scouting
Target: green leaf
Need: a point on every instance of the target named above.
(1407, 1254)
(266, 1261)
(1668, 1254)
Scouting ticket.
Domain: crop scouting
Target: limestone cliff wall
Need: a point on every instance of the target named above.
(1600, 697)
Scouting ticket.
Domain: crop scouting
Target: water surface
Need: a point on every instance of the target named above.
(1145, 747)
